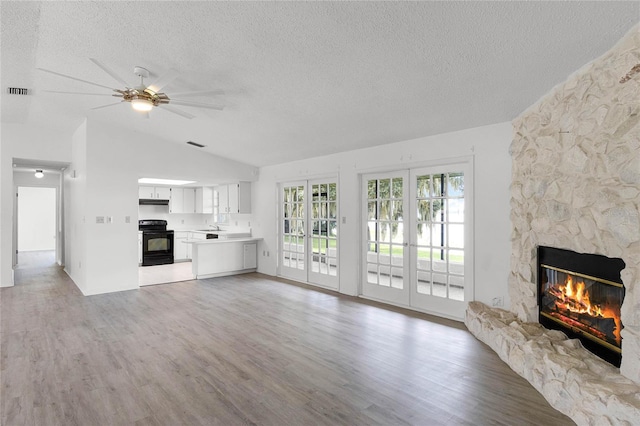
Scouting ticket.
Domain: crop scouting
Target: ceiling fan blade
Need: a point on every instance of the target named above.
(201, 93)
(81, 93)
(177, 111)
(109, 71)
(196, 104)
(74, 78)
(108, 105)
(163, 80)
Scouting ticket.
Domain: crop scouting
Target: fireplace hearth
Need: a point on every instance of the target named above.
(581, 295)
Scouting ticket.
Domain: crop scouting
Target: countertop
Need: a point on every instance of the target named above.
(222, 241)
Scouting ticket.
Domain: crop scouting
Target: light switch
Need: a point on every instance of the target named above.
(344, 220)
(127, 219)
(99, 219)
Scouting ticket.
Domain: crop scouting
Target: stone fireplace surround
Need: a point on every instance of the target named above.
(576, 186)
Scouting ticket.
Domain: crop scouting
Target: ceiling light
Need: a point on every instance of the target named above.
(142, 105)
(157, 181)
(39, 174)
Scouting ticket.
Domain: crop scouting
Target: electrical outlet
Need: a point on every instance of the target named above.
(497, 301)
(344, 220)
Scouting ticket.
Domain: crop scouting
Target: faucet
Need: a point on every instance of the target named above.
(214, 227)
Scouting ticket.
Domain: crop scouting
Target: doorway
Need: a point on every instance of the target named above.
(309, 243)
(36, 219)
(417, 238)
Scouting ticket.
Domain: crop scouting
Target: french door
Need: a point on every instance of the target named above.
(387, 237)
(417, 238)
(308, 249)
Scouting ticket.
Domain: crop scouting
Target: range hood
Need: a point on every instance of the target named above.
(152, 202)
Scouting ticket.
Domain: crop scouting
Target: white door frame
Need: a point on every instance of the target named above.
(305, 275)
(436, 305)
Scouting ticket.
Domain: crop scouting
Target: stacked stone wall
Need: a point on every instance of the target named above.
(576, 181)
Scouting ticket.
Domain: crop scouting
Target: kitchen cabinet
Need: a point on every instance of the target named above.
(190, 200)
(235, 198)
(204, 200)
(217, 258)
(176, 202)
(154, 192)
(250, 256)
(181, 251)
(182, 200)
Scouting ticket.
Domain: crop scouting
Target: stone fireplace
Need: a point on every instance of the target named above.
(575, 186)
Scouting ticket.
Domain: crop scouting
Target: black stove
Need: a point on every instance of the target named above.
(157, 242)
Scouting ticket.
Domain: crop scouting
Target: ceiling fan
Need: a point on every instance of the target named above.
(144, 98)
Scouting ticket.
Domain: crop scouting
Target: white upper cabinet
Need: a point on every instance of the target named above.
(235, 198)
(176, 202)
(154, 192)
(190, 200)
(204, 200)
(182, 200)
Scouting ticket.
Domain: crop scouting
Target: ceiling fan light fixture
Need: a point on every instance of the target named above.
(142, 105)
(39, 174)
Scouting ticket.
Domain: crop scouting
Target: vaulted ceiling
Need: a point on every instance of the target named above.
(301, 79)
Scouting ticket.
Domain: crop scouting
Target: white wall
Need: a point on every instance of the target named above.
(109, 161)
(489, 146)
(21, 141)
(36, 218)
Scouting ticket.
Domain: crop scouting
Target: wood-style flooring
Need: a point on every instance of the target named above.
(243, 350)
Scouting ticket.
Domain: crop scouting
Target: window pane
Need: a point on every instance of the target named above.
(333, 210)
(372, 189)
(397, 188)
(456, 236)
(423, 183)
(384, 212)
(438, 186)
(455, 185)
(384, 188)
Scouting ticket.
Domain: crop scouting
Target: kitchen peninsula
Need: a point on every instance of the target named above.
(223, 256)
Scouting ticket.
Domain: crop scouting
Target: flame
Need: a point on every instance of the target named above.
(575, 298)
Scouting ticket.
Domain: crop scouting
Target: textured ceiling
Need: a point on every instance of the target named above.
(302, 79)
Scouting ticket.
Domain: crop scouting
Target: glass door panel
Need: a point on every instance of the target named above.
(323, 248)
(441, 277)
(386, 236)
(309, 235)
(292, 236)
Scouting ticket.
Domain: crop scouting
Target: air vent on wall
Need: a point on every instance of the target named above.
(17, 91)
(196, 144)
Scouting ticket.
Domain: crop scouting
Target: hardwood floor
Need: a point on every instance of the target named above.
(243, 350)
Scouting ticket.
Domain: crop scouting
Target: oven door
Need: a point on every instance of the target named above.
(157, 247)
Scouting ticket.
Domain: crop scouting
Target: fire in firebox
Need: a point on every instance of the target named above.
(582, 295)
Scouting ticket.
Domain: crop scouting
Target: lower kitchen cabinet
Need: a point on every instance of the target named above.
(181, 251)
(224, 257)
(250, 259)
